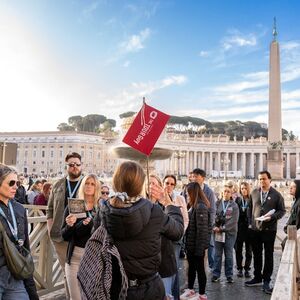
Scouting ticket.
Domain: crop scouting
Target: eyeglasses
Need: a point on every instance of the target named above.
(169, 183)
(12, 183)
(72, 165)
(105, 193)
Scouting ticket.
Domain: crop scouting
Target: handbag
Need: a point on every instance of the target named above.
(19, 261)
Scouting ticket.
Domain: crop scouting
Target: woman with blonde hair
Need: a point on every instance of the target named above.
(136, 226)
(77, 231)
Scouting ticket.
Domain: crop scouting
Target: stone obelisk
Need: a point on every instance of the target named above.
(275, 161)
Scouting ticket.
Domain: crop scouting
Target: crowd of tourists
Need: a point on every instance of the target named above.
(129, 240)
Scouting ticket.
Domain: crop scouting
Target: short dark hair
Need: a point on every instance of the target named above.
(199, 172)
(71, 155)
(265, 172)
(297, 194)
(170, 176)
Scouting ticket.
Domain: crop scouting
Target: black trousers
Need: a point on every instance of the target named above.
(243, 237)
(263, 241)
(196, 265)
(152, 290)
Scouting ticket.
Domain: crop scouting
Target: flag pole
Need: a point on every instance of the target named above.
(147, 164)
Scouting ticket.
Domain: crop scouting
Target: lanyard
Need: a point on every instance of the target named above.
(263, 196)
(225, 207)
(71, 193)
(13, 228)
(244, 204)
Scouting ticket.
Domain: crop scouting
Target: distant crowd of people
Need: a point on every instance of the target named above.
(133, 234)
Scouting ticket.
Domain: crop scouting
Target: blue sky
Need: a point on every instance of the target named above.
(207, 59)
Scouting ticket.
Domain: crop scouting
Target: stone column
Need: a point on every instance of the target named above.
(203, 160)
(195, 165)
(243, 164)
(219, 163)
(297, 165)
(288, 166)
(234, 163)
(210, 162)
(187, 159)
(252, 164)
(261, 162)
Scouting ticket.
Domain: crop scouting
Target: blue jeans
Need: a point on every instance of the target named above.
(14, 293)
(211, 251)
(227, 247)
(168, 281)
(175, 286)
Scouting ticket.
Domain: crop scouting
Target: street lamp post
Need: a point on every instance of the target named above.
(178, 154)
(226, 163)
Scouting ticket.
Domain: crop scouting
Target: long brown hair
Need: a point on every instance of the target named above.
(196, 194)
(247, 186)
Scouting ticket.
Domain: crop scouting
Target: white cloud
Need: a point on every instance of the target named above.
(143, 10)
(291, 95)
(88, 11)
(224, 114)
(255, 80)
(131, 97)
(291, 45)
(204, 53)
(236, 39)
(135, 42)
(126, 64)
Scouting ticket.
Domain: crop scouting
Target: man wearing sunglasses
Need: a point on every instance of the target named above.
(63, 189)
(104, 193)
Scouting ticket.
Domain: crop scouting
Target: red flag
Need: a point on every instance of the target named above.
(146, 129)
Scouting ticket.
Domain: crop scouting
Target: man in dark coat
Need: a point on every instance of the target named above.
(21, 191)
(263, 200)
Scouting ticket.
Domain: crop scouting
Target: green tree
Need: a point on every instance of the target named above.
(65, 127)
(76, 122)
(92, 122)
(108, 125)
(126, 114)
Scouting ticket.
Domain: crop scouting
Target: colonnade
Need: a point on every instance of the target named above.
(247, 163)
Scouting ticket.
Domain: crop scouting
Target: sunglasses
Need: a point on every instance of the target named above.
(169, 183)
(105, 193)
(12, 183)
(72, 165)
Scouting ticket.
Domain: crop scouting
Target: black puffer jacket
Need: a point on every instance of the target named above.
(137, 233)
(198, 231)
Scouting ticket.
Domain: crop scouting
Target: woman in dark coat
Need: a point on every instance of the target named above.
(13, 213)
(197, 239)
(168, 266)
(243, 235)
(136, 226)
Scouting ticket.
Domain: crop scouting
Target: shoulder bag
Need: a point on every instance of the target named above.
(19, 262)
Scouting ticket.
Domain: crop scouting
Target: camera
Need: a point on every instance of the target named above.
(220, 220)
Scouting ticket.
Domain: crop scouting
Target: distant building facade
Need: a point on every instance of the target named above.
(219, 154)
(44, 153)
